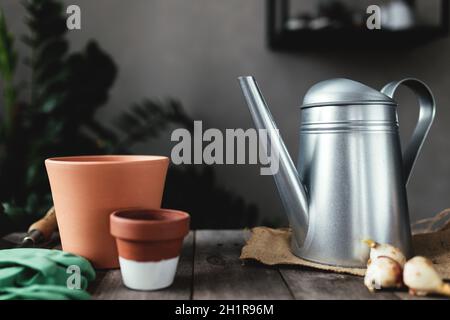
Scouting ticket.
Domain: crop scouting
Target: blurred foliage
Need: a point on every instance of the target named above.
(8, 62)
(67, 89)
(191, 188)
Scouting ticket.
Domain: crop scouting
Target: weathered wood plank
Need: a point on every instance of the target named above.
(219, 274)
(311, 284)
(109, 286)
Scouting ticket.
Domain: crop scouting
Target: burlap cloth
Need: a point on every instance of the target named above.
(272, 247)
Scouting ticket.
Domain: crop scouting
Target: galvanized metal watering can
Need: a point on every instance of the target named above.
(350, 181)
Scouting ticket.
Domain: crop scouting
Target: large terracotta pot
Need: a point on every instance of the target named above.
(86, 189)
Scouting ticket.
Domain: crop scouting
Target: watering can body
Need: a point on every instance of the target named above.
(349, 183)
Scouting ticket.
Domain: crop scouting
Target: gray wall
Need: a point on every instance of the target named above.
(194, 50)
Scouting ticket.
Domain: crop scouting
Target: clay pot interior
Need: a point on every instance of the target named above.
(149, 243)
(99, 159)
(145, 215)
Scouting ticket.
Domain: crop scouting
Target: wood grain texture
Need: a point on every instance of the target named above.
(219, 274)
(109, 285)
(210, 268)
(308, 284)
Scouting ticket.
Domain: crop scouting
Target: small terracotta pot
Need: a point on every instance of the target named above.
(86, 189)
(149, 244)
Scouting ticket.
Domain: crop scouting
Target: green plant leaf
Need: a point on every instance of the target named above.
(12, 211)
(8, 60)
(147, 119)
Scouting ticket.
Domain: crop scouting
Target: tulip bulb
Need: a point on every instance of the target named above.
(385, 250)
(383, 272)
(422, 279)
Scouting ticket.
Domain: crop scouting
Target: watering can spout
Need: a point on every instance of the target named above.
(290, 187)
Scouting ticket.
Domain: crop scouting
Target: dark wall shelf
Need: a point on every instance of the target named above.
(282, 39)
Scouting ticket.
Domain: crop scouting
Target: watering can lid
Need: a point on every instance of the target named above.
(341, 91)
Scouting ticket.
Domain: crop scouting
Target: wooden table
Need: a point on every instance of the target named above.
(210, 268)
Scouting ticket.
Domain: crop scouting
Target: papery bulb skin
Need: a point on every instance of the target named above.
(383, 272)
(385, 250)
(422, 278)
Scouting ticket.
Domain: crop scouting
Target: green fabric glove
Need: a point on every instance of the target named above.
(42, 274)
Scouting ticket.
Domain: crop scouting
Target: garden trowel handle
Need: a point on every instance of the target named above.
(42, 230)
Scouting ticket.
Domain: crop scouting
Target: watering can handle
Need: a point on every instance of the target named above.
(426, 116)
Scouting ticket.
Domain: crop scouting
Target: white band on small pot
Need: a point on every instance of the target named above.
(151, 275)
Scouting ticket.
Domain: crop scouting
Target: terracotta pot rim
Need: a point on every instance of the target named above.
(87, 160)
(160, 224)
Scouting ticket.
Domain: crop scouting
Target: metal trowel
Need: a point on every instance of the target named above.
(38, 234)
